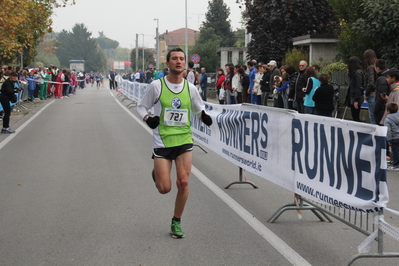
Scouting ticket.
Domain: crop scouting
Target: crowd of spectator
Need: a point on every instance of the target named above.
(40, 83)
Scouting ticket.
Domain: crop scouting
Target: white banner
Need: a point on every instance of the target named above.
(337, 162)
(332, 161)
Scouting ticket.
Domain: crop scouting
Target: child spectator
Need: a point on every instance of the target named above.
(392, 80)
(392, 123)
(324, 97)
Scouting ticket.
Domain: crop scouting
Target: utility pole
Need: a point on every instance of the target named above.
(137, 50)
(157, 33)
(186, 34)
(143, 53)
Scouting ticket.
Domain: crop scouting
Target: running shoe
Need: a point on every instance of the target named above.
(7, 131)
(175, 230)
(393, 168)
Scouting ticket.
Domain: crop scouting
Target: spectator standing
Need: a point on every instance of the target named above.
(392, 79)
(297, 83)
(371, 76)
(203, 83)
(67, 81)
(252, 73)
(44, 85)
(265, 84)
(59, 85)
(244, 79)
(31, 85)
(218, 85)
(191, 75)
(284, 88)
(274, 71)
(382, 89)
(39, 82)
(311, 86)
(148, 75)
(155, 74)
(392, 124)
(258, 77)
(324, 97)
(355, 96)
(227, 84)
(8, 90)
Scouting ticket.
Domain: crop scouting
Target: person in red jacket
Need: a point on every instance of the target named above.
(59, 86)
(219, 83)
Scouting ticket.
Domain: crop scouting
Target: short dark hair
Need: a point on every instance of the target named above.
(174, 50)
(392, 107)
(380, 63)
(394, 74)
(250, 63)
(316, 67)
(323, 79)
(290, 70)
(191, 64)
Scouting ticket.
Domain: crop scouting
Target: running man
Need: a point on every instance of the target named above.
(173, 99)
(98, 79)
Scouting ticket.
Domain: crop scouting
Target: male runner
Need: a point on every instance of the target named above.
(173, 99)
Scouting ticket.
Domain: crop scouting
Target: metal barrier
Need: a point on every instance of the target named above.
(372, 225)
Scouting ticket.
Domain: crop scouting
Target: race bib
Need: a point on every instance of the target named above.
(175, 117)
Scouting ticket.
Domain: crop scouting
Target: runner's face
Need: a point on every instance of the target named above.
(177, 62)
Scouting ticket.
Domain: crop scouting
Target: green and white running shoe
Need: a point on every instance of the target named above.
(175, 230)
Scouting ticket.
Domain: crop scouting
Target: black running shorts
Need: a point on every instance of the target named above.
(171, 153)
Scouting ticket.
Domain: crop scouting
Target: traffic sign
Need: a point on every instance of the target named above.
(195, 58)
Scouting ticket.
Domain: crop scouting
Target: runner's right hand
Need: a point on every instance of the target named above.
(152, 121)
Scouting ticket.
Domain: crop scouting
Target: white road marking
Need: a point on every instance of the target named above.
(11, 136)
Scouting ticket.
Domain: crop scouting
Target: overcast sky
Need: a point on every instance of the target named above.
(121, 20)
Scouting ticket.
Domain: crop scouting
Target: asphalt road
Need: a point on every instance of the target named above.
(76, 189)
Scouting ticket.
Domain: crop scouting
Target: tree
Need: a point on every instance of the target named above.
(79, 44)
(105, 42)
(217, 19)
(273, 24)
(25, 23)
(206, 45)
(148, 58)
(378, 23)
(351, 42)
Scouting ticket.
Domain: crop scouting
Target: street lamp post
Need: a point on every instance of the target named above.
(137, 50)
(186, 33)
(143, 53)
(157, 33)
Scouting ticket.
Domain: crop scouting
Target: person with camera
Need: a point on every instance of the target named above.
(8, 90)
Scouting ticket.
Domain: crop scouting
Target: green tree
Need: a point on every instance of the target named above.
(23, 24)
(378, 23)
(351, 42)
(206, 46)
(273, 24)
(148, 58)
(105, 42)
(217, 18)
(78, 44)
